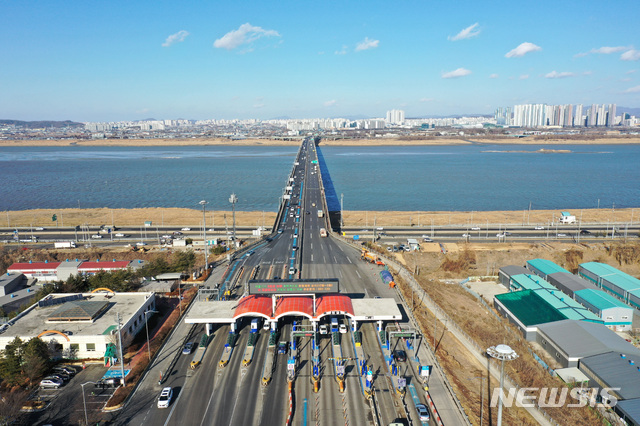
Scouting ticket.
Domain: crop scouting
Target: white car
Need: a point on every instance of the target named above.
(466, 235)
(141, 243)
(165, 397)
(39, 228)
(342, 328)
(120, 235)
(186, 229)
(324, 329)
(96, 236)
(423, 413)
(475, 228)
(562, 235)
(539, 228)
(500, 235)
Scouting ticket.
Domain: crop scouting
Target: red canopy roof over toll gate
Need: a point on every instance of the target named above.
(294, 305)
(334, 305)
(254, 305)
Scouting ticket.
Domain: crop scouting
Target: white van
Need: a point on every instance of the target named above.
(334, 325)
(292, 271)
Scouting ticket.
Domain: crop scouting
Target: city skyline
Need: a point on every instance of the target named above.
(127, 61)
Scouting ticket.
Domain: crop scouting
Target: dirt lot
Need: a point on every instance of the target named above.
(485, 328)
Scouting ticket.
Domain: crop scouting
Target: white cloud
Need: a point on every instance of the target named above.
(630, 71)
(604, 50)
(341, 52)
(245, 34)
(630, 55)
(330, 103)
(367, 44)
(523, 77)
(175, 38)
(258, 106)
(494, 76)
(426, 99)
(556, 74)
(587, 72)
(522, 50)
(460, 72)
(468, 32)
(635, 89)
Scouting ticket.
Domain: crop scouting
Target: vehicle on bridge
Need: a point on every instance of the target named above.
(323, 232)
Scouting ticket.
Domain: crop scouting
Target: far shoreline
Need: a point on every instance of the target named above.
(434, 141)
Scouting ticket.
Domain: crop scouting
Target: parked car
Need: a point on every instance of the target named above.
(187, 348)
(62, 376)
(399, 355)
(65, 369)
(112, 382)
(423, 413)
(165, 397)
(51, 382)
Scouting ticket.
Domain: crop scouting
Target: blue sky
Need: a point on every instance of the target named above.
(127, 60)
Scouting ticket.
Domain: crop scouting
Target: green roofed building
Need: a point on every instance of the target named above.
(621, 285)
(543, 267)
(526, 309)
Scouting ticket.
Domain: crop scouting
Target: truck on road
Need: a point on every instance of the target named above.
(65, 244)
(320, 213)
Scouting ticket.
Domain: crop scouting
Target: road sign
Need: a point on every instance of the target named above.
(291, 364)
(425, 370)
(370, 375)
(309, 286)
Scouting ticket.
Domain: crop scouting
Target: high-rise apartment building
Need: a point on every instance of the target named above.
(395, 116)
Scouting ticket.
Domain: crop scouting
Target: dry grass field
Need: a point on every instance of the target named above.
(193, 217)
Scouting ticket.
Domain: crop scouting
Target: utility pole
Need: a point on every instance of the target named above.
(121, 351)
(341, 211)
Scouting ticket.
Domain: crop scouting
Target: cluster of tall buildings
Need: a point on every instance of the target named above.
(137, 125)
(541, 115)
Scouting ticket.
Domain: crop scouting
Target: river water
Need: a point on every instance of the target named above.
(424, 178)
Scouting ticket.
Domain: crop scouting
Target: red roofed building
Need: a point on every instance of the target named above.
(91, 268)
(42, 271)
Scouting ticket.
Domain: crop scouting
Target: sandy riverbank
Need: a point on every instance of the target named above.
(529, 140)
(180, 217)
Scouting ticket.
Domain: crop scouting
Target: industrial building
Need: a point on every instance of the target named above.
(543, 267)
(528, 309)
(615, 314)
(610, 279)
(569, 341)
(81, 325)
(615, 369)
(569, 283)
(15, 291)
(506, 272)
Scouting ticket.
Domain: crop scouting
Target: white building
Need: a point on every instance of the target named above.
(81, 325)
(395, 117)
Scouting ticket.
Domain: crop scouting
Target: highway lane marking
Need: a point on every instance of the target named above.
(312, 257)
(175, 404)
(349, 260)
(358, 274)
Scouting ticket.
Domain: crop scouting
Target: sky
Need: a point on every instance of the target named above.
(130, 60)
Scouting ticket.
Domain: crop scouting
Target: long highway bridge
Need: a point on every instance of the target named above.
(297, 330)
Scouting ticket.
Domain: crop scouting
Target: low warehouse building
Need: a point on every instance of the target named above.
(615, 314)
(506, 272)
(614, 370)
(569, 341)
(616, 282)
(543, 267)
(569, 283)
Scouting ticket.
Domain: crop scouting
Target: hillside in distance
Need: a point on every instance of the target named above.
(41, 124)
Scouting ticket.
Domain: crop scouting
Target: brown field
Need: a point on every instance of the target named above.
(193, 217)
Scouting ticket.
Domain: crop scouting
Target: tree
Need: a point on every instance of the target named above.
(11, 362)
(35, 359)
(11, 402)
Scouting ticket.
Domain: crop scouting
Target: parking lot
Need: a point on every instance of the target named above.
(65, 405)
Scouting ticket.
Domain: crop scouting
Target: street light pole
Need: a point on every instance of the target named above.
(233, 200)
(203, 203)
(503, 353)
(146, 324)
(84, 402)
